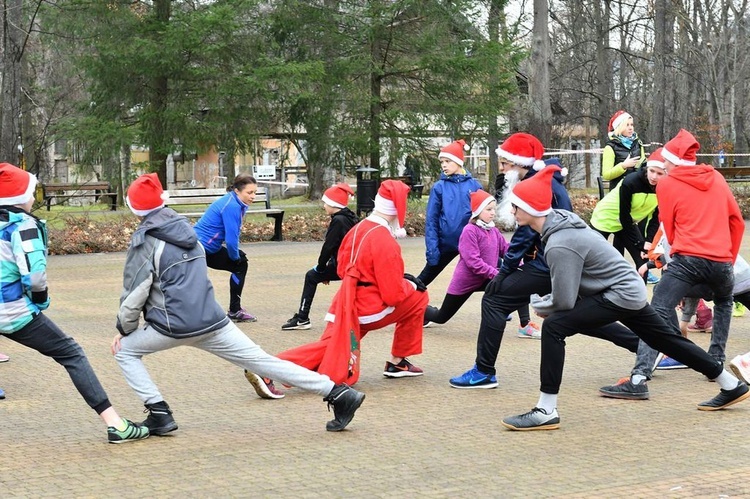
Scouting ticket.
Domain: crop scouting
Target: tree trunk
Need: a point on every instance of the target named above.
(539, 89)
(12, 59)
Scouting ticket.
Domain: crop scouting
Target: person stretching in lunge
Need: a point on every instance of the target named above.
(335, 199)
(593, 287)
(166, 280)
(23, 245)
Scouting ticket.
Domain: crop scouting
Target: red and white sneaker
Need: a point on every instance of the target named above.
(264, 387)
(740, 366)
(401, 370)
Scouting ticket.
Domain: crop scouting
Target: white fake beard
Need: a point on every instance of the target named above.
(503, 215)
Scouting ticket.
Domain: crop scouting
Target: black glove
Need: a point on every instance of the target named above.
(420, 285)
(493, 287)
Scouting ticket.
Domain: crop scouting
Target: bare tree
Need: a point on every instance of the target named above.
(540, 106)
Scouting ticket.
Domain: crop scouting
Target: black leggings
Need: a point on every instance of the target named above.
(221, 261)
(452, 303)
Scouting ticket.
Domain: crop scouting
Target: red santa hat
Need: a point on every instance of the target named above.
(522, 149)
(682, 149)
(534, 195)
(145, 195)
(656, 159)
(479, 201)
(455, 151)
(618, 119)
(391, 200)
(16, 185)
(338, 195)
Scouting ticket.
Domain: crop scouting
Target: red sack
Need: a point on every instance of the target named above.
(341, 360)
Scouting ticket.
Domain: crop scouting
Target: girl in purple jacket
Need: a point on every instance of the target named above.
(480, 246)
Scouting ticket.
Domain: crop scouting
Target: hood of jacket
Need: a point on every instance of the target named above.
(167, 225)
(561, 219)
(456, 177)
(699, 176)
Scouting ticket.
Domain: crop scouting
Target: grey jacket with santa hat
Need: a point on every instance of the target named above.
(166, 280)
(582, 263)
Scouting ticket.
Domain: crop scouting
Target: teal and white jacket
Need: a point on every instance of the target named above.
(23, 268)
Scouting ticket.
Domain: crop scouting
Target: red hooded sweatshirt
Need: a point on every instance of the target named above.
(699, 213)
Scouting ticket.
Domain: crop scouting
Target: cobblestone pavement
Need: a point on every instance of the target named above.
(411, 437)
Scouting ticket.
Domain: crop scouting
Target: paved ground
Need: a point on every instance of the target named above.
(412, 437)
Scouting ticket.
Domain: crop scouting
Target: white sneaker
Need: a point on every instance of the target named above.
(740, 366)
(530, 330)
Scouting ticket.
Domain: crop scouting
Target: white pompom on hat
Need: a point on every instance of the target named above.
(145, 195)
(455, 151)
(16, 185)
(338, 195)
(522, 149)
(682, 149)
(479, 201)
(534, 195)
(391, 200)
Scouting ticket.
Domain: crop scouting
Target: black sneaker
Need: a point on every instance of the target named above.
(626, 389)
(159, 420)
(345, 401)
(725, 398)
(401, 370)
(536, 419)
(296, 322)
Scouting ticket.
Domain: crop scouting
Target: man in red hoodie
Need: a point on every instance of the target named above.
(704, 227)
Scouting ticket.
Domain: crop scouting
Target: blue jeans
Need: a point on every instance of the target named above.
(684, 272)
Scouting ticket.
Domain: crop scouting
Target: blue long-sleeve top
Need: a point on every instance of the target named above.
(448, 212)
(221, 224)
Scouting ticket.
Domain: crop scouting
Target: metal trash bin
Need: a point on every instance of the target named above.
(367, 188)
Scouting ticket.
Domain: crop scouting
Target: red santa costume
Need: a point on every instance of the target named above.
(372, 268)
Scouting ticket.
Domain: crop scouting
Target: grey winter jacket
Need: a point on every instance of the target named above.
(166, 280)
(582, 263)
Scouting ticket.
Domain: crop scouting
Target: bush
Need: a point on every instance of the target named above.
(85, 234)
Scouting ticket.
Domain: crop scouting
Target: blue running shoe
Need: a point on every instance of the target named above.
(670, 363)
(474, 379)
(652, 279)
(2, 394)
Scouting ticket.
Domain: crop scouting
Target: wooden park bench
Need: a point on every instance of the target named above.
(61, 192)
(735, 173)
(193, 197)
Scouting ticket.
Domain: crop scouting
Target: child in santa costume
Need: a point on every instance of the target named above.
(23, 238)
(480, 246)
(375, 293)
(448, 210)
(335, 199)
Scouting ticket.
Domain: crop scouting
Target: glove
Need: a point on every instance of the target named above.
(420, 285)
(238, 264)
(243, 257)
(493, 287)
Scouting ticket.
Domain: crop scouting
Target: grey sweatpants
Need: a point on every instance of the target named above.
(229, 343)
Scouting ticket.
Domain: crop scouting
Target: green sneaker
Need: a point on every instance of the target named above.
(131, 432)
(738, 309)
